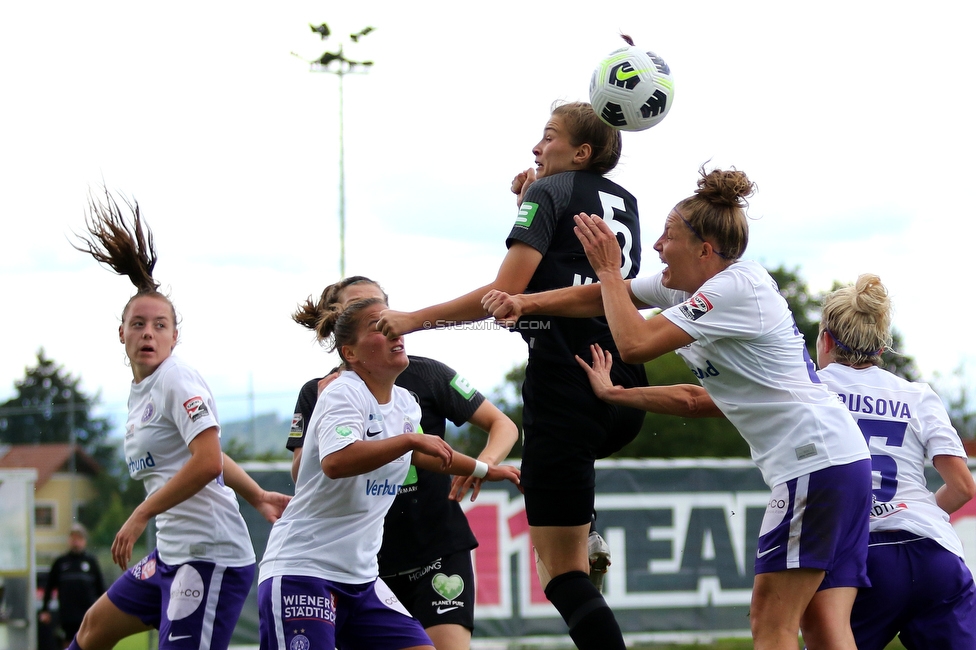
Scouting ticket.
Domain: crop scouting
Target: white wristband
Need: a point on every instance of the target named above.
(480, 469)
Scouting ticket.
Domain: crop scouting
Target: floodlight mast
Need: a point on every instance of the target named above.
(338, 64)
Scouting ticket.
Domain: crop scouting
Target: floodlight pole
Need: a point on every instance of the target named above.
(342, 178)
(343, 67)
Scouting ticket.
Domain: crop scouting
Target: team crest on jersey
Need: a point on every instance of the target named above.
(408, 425)
(195, 408)
(149, 412)
(299, 642)
(695, 307)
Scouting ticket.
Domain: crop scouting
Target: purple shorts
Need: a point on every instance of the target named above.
(193, 605)
(820, 521)
(297, 610)
(919, 590)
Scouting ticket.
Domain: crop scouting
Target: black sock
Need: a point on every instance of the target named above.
(592, 625)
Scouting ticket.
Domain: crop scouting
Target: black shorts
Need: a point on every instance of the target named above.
(438, 593)
(566, 429)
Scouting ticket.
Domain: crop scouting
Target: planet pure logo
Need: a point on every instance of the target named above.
(449, 587)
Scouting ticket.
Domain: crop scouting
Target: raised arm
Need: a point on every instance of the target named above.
(638, 339)
(513, 276)
(502, 436)
(959, 486)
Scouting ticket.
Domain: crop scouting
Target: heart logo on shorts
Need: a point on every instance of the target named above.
(450, 587)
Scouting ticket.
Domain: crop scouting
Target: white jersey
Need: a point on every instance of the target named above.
(750, 357)
(333, 528)
(167, 410)
(905, 424)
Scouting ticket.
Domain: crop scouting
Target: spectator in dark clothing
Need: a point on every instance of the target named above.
(77, 579)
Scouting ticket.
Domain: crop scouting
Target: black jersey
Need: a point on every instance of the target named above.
(545, 222)
(422, 524)
(78, 581)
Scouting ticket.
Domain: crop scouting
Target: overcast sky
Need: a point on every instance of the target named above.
(854, 119)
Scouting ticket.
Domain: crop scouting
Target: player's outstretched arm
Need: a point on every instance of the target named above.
(463, 465)
(513, 276)
(579, 301)
(502, 436)
(959, 486)
(364, 456)
(685, 400)
(269, 504)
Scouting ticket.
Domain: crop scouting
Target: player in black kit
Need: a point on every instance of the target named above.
(77, 578)
(425, 558)
(566, 427)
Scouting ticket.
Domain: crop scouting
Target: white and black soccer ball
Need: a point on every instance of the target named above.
(632, 89)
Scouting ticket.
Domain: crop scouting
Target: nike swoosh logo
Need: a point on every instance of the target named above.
(624, 76)
(177, 638)
(766, 552)
(370, 434)
(442, 610)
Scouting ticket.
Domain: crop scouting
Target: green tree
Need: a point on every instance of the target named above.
(117, 496)
(48, 406)
(804, 305)
(806, 308)
(897, 362)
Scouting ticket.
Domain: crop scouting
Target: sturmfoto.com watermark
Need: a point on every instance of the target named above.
(521, 325)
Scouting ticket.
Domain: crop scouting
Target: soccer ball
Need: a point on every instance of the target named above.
(632, 89)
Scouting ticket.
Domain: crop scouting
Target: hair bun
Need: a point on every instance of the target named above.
(725, 187)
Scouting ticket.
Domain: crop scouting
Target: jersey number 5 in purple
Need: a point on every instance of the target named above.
(893, 433)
